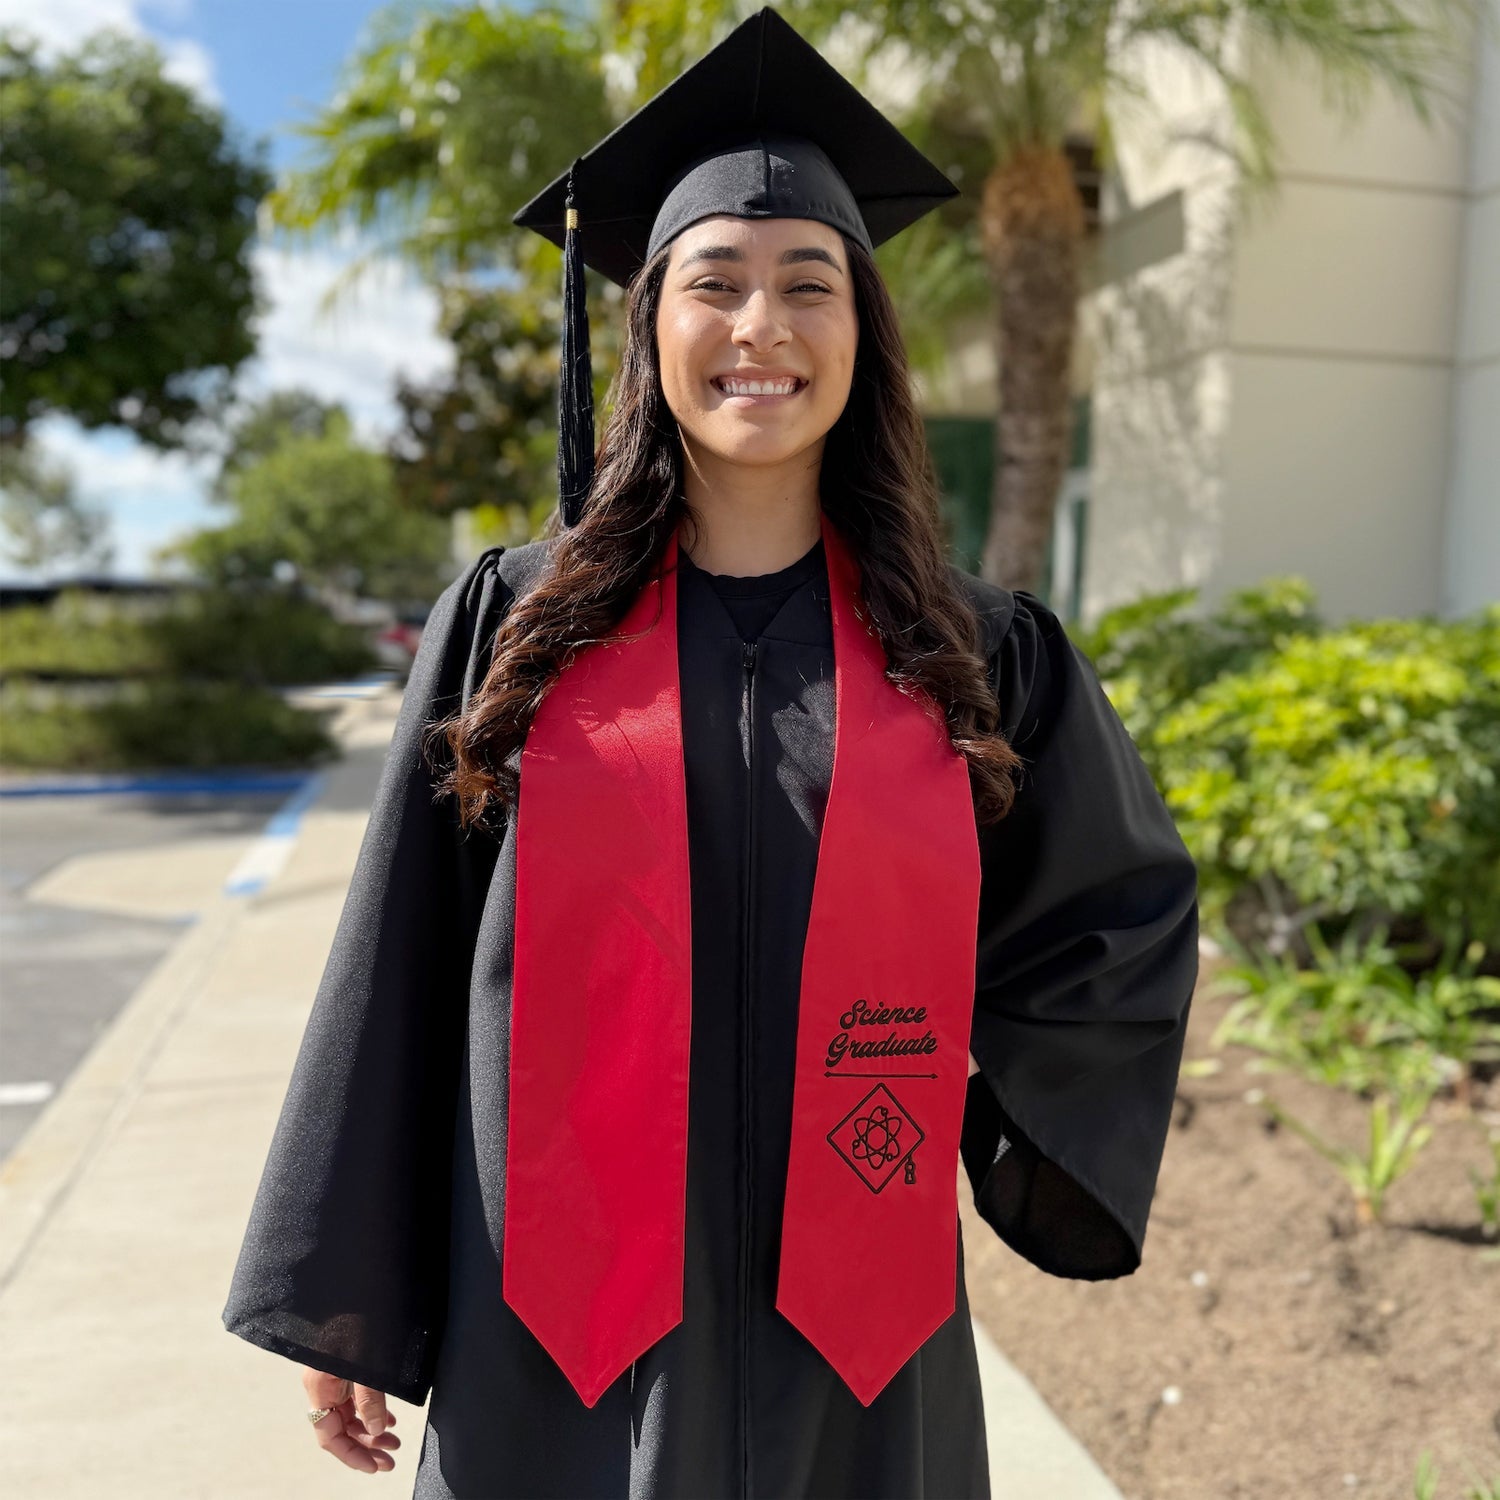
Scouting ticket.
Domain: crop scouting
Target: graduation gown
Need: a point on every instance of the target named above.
(373, 1249)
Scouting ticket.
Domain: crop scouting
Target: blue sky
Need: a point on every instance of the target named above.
(267, 64)
(273, 61)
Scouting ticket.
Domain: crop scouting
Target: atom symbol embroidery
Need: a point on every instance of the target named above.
(876, 1136)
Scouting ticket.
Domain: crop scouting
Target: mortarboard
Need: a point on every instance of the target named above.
(761, 126)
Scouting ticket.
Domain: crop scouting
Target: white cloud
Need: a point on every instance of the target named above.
(60, 25)
(150, 496)
(175, 12)
(114, 463)
(381, 327)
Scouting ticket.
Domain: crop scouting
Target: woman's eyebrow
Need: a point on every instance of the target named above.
(788, 257)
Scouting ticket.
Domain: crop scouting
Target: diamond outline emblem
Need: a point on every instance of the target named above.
(896, 1107)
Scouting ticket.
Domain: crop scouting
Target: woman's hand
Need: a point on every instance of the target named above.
(355, 1430)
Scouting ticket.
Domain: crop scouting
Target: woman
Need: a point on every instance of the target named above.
(739, 870)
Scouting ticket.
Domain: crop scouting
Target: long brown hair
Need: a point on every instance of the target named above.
(877, 486)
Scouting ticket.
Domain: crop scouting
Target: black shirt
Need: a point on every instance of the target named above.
(753, 599)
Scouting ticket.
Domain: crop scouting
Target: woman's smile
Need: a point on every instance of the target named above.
(757, 392)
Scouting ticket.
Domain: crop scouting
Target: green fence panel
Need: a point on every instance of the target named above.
(963, 453)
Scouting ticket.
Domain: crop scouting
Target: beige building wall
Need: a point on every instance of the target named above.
(1471, 557)
(1158, 327)
(966, 384)
(1299, 385)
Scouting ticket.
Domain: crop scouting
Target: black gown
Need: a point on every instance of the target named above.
(373, 1247)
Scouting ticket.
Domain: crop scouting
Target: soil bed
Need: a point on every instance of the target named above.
(1269, 1348)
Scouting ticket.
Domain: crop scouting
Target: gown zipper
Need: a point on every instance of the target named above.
(748, 659)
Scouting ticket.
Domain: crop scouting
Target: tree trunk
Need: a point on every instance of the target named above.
(1032, 225)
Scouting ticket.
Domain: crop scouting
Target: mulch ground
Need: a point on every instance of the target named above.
(1270, 1347)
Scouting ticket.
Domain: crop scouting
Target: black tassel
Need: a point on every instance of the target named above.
(575, 396)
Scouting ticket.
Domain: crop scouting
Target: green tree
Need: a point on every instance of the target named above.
(261, 426)
(483, 437)
(444, 123)
(320, 507)
(127, 296)
(42, 516)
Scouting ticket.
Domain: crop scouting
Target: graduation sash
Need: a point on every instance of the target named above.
(596, 1154)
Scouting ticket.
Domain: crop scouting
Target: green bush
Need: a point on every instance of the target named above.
(77, 635)
(1356, 1019)
(1343, 780)
(1349, 771)
(181, 680)
(252, 636)
(157, 723)
(257, 636)
(1153, 655)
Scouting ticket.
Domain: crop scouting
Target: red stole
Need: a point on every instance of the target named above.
(593, 1244)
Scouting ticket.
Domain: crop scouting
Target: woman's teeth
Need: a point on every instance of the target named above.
(758, 387)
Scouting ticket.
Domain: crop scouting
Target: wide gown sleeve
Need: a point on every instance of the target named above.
(344, 1264)
(1087, 959)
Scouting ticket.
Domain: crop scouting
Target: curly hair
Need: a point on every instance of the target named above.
(877, 486)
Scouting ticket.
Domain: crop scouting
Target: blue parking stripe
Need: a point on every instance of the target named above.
(288, 816)
(212, 782)
(263, 860)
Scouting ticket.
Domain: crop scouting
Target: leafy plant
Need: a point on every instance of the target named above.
(1425, 1483)
(130, 216)
(1487, 1191)
(1450, 1008)
(1153, 656)
(1348, 773)
(1424, 1487)
(158, 722)
(1391, 1148)
(1356, 1019)
(250, 634)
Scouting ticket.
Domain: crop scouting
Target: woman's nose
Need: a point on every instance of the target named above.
(759, 318)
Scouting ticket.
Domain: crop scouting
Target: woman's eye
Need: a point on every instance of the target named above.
(723, 286)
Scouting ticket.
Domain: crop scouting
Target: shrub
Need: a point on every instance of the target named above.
(1356, 1019)
(259, 636)
(1352, 771)
(157, 723)
(1152, 656)
(245, 635)
(77, 635)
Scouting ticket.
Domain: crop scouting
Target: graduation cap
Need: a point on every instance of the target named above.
(759, 127)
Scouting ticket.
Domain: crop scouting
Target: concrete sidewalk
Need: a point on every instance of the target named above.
(121, 1210)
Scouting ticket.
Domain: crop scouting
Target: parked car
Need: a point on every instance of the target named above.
(396, 645)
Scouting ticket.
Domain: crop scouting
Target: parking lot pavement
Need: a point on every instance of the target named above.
(95, 888)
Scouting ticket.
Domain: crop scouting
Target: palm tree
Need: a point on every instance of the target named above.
(1007, 86)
